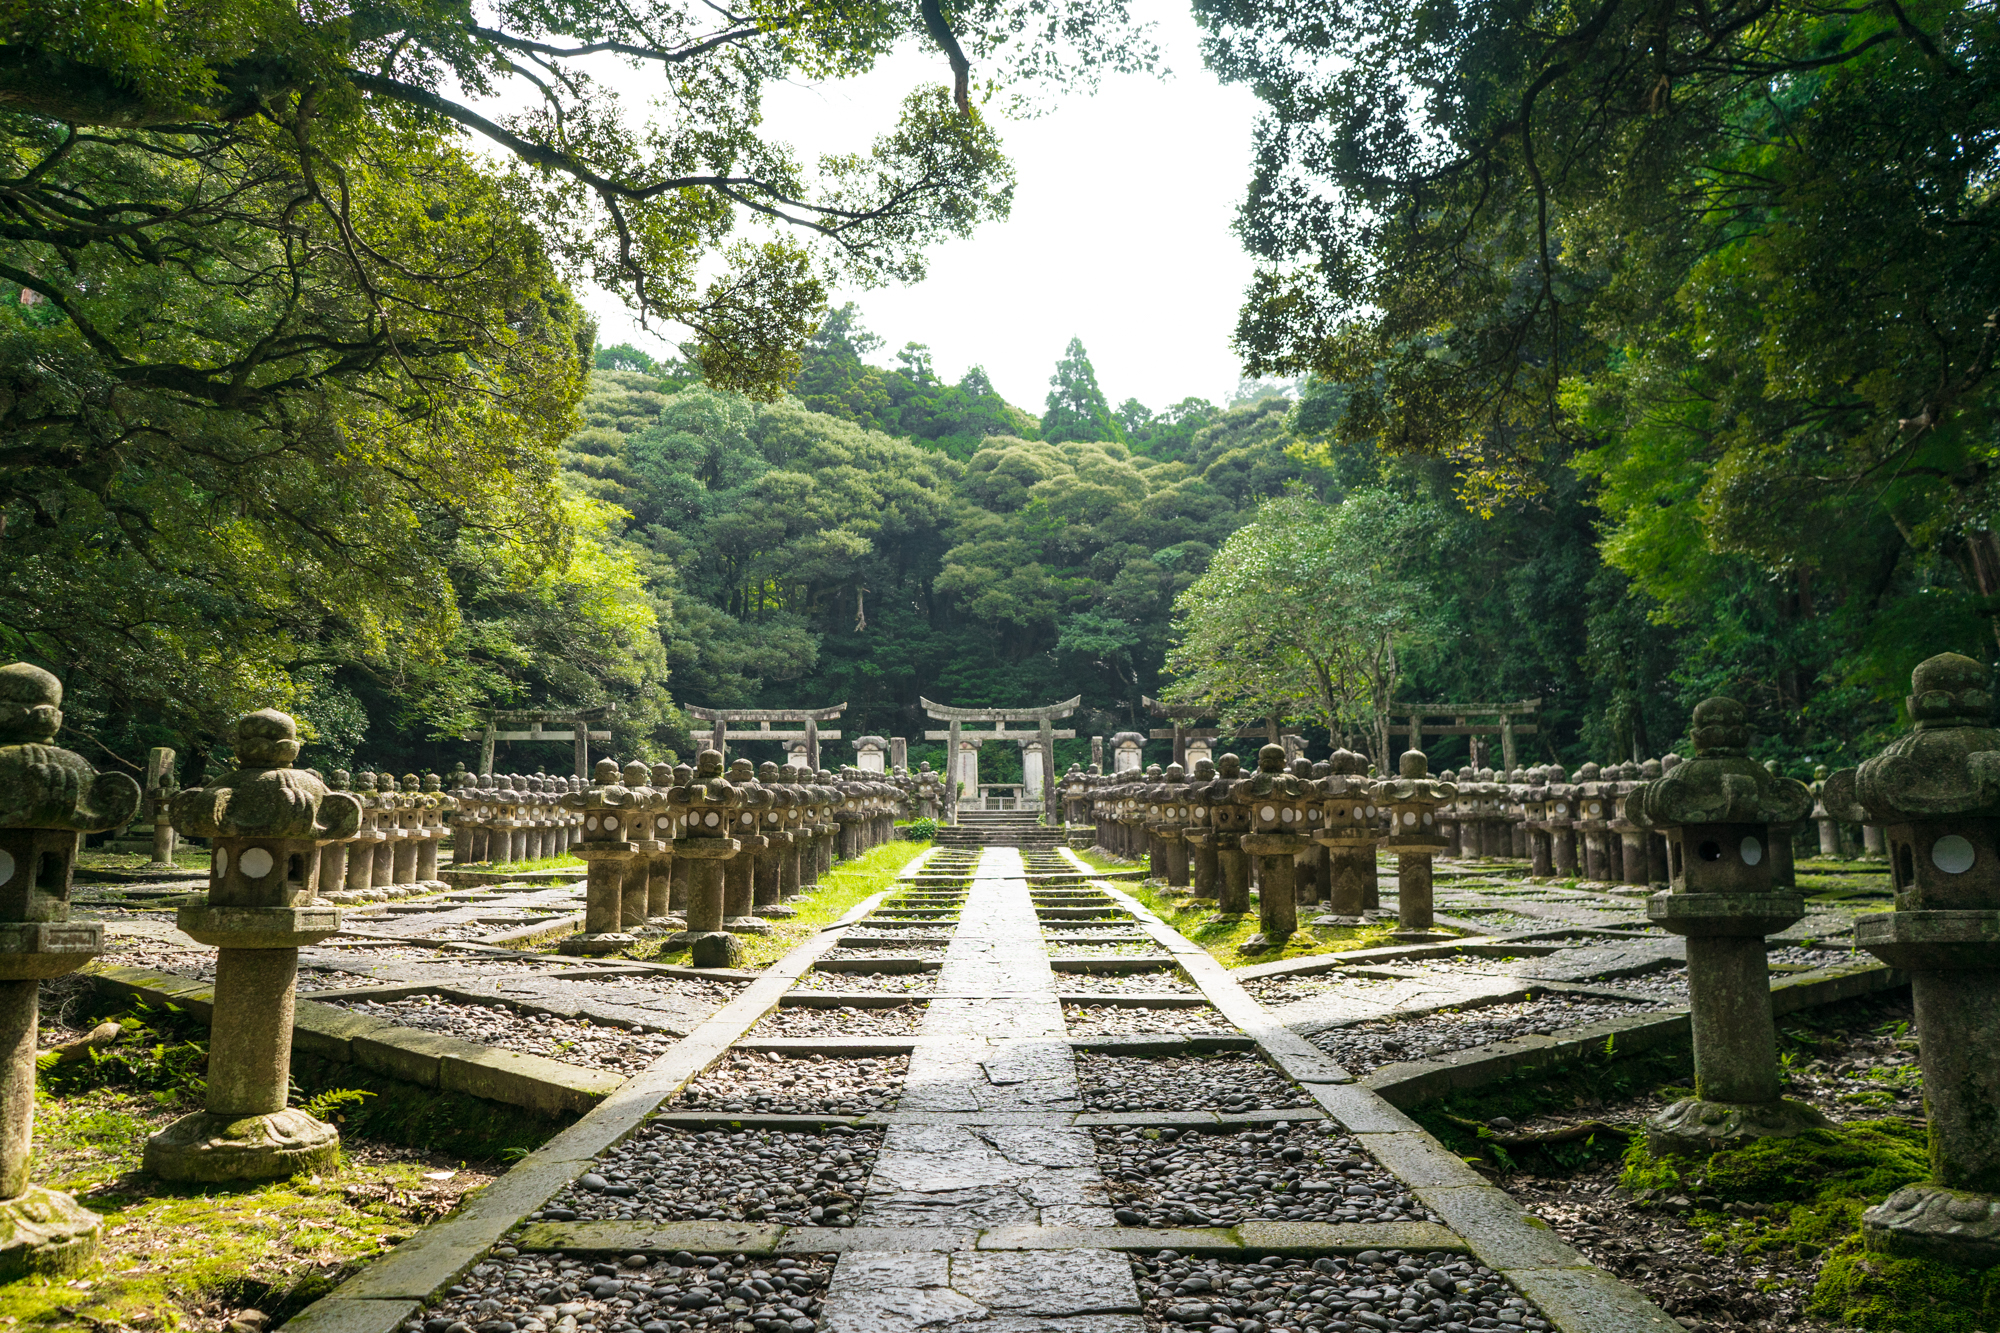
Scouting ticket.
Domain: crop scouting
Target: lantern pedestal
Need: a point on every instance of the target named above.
(705, 858)
(1735, 1038)
(603, 900)
(1277, 900)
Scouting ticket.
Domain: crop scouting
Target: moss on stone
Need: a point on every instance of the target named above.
(1810, 1193)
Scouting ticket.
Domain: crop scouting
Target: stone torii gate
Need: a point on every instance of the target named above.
(1505, 728)
(808, 731)
(577, 720)
(1180, 734)
(1045, 735)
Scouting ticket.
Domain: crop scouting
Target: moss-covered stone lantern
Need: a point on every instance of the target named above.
(48, 798)
(1935, 794)
(613, 824)
(1717, 812)
(711, 803)
(1347, 829)
(266, 822)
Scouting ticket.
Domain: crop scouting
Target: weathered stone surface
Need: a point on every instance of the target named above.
(210, 1147)
(43, 1231)
(1932, 1222)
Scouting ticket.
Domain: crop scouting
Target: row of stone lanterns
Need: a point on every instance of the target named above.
(513, 817)
(1934, 793)
(1309, 830)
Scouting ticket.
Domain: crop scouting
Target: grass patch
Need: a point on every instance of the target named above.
(836, 893)
(174, 1256)
(563, 862)
(1223, 935)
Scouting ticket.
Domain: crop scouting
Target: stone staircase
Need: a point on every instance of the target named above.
(999, 828)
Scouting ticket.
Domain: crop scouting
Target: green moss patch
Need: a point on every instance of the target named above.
(1805, 1196)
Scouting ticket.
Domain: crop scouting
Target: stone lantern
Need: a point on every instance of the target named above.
(1276, 802)
(738, 872)
(48, 798)
(1347, 830)
(1198, 834)
(659, 849)
(1935, 794)
(161, 784)
(1718, 812)
(1593, 822)
(930, 791)
(637, 777)
(1412, 799)
(266, 823)
(711, 803)
(612, 823)
(1559, 822)
(1229, 822)
(1169, 815)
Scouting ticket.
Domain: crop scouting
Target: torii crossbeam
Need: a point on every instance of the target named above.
(1045, 734)
(809, 731)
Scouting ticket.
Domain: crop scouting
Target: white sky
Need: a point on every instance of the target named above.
(1120, 232)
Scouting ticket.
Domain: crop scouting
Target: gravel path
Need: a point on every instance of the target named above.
(897, 949)
(1668, 985)
(1288, 1295)
(812, 1085)
(1107, 949)
(1134, 983)
(798, 1020)
(1362, 1047)
(1229, 1081)
(1109, 1020)
(512, 1293)
(669, 1174)
(1298, 1173)
(570, 1041)
(905, 983)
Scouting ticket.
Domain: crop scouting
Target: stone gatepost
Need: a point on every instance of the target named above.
(1347, 831)
(1231, 822)
(266, 823)
(1718, 812)
(661, 831)
(161, 784)
(1935, 794)
(611, 818)
(1412, 799)
(49, 798)
(638, 870)
(1198, 835)
(767, 886)
(1276, 803)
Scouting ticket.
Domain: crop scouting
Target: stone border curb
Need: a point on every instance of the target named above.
(1576, 1295)
(382, 1295)
(427, 1059)
(774, 1238)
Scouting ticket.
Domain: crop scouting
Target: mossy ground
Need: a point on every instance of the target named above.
(185, 856)
(837, 891)
(1808, 1194)
(563, 862)
(176, 1257)
(1224, 935)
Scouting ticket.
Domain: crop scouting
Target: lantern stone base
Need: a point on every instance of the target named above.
(207, 1146)
(716, 948)
(42, 1231)
(1748, 914)
(775, 911)
(599, 942)
(1932, 1222)
(259, 927)
(1697, 1128)
(746, 925)
(38, 950)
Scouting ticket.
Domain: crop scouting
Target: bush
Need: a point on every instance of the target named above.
(920, 830)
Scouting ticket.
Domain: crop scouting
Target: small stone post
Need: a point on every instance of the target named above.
(266, 822)
(660, 834)
(1204, 870)
(610, 818)
(160, 788)
(1412, 799)
(1717, 811)
(48, 798)
(1935, 794)
(638, 871)
(767, 891)
(1829, 827)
